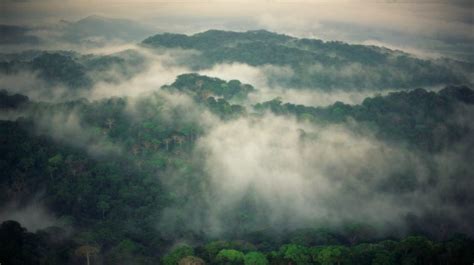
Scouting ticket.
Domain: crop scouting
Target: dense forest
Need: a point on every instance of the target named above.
(196, 171)
(326, 65)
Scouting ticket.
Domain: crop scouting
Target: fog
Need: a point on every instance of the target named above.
(67, 127)
(271, 82)
(34, 215)
(260, 171)
(28, 83)
(277, 173)
(161, 67)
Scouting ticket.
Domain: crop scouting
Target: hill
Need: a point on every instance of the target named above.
(315, 64)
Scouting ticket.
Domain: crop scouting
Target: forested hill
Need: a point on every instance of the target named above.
(71, 70)
(124, 176)
(422, 118)
(284, 61)
(315, 63)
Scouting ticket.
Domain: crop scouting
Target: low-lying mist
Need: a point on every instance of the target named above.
(271, 172)
(159, 67)
(277, 173)
(34, 215)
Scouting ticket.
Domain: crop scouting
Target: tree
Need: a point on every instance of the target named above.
(110, 123)
(87, 251)
(178, 139)
(383, 257)
(126, 252)
(167, 142)
(103, 206)
(178, 253)
(17, 246)
(295, 253)
(191, 260)
(415, 250)
(255, 258)
(332, 255)
(230, 257)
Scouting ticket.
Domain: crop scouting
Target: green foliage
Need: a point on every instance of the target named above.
(383, 257)
(114, 198)
(58, 68)
(178, 253)
(225, 110)
(230, 257)
(295, 253)
(309, 237)
(415, 250)
(191, 260)
(255, 258)
(201, 87)
(51, 246)
(332, 255)
(313, 63)
(415, 117)
(75, 71)
(56, 160)
(214, 93)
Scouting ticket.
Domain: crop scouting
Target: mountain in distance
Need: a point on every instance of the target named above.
(315, 63)
(90, 31)
(99, 28)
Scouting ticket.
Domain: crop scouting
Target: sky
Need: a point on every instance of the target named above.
(427, 28)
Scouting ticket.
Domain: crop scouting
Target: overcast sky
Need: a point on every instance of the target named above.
(428, 28)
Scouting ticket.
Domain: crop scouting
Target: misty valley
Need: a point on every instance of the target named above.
(230, 147)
